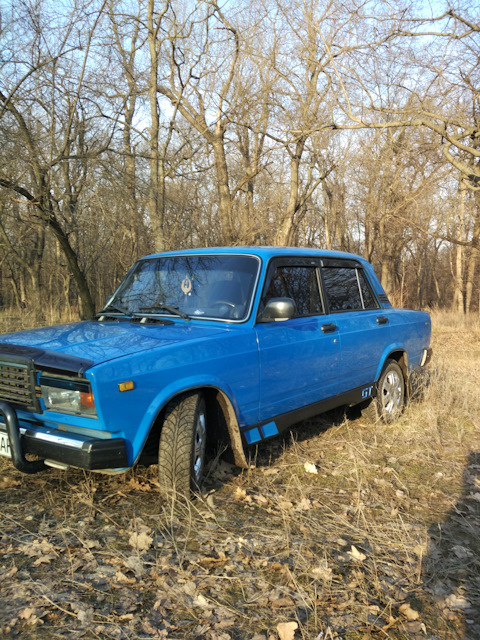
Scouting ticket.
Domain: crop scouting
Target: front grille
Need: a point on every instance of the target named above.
(16, 384)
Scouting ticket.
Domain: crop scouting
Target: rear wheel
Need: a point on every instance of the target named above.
(390, 400)
(181, 453)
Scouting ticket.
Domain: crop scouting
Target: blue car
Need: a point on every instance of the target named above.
(201, 347)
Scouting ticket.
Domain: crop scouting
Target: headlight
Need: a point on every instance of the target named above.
(68, 396)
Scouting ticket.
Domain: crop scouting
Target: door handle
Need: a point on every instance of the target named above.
(329, 328)
(382, 320)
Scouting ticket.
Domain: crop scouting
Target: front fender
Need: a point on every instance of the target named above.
(226, 401)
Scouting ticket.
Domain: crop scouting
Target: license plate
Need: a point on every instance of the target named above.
(5, 445)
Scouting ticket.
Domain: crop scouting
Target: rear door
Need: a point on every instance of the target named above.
(300, 357)
(363, 326)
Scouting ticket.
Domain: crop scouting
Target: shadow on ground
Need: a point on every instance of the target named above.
(451, 570)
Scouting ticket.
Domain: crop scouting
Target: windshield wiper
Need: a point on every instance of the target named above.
(112, 307)
(175, 311)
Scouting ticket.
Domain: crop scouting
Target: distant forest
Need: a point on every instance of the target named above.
(136, 126)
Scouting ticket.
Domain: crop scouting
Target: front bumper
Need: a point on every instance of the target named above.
(54, 446)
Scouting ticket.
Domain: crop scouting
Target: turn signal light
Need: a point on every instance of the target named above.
(126, 386)
(87, 400)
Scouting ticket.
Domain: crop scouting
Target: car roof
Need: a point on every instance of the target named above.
(265, 252)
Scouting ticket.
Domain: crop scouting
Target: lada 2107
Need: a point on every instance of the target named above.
(199, 347)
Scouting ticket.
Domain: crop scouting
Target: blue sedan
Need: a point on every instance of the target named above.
(203, 347)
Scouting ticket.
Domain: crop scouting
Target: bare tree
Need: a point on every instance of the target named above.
(42, 107)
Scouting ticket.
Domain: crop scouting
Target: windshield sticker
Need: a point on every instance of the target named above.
(186, 285)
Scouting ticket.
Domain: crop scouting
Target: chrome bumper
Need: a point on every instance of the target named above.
(67, 449)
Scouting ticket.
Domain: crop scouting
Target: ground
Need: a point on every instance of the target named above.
(343, 529)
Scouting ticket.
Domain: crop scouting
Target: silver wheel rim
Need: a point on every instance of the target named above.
(199, 444)
(392, 393)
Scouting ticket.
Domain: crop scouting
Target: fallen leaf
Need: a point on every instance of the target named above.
(121, 578)
(408, 612)
(457, 602)
(135, 564)
(11, 573)
(26, 613)
(355, 554)
(322, 572)
(212, 561)
(281, 603)
(190, 588)
(91, 544)
(240, 493)
(304, 505)
(44, 559)
(139, 486)
(37, 548)
(286, 630)
(140, 541)
(211, 501)
(202, 602)
(271, 471)
(85, 616)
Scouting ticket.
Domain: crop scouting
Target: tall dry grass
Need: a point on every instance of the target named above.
(14, 319)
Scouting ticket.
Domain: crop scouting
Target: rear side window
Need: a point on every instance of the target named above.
(299, 283)
(347, 289)
(369, 301)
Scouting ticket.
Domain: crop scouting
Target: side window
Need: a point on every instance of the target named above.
(347, 289)
(299, 283)
(341, 287)
(369, 301)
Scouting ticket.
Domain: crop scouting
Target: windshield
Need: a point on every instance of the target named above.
(202, 286)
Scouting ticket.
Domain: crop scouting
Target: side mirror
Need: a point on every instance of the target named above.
(278, 309)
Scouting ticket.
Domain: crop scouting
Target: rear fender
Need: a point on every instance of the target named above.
(400, 356)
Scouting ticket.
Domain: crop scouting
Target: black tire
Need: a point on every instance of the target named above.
(389, 402)
(181, 452)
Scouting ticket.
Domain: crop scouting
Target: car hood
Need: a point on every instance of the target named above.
(97, 342)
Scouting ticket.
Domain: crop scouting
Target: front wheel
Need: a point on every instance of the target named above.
(181, 453)
(390, 399)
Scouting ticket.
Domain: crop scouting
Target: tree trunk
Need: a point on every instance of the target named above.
(225, 208)
(285, 233)
(458, 299)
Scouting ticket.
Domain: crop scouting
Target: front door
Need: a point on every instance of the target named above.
(299, 358)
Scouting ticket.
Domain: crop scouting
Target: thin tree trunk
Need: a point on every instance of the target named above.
(458, 299)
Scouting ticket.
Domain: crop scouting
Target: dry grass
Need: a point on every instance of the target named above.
(17, 320)
(380, 542)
